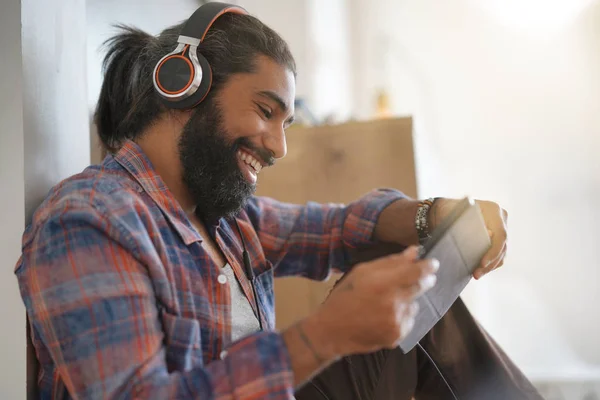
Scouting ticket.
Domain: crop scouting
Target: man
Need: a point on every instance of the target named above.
(133, 272)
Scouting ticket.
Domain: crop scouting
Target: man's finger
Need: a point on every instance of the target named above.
(498, 239)
(408, 275)
(405, 269)
(500, 261)
(494, 264)
(407, 310)
(411, 253)
(391, 260)
(410, 293)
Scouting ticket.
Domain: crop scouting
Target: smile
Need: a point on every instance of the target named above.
(249, 165)
(250, 160)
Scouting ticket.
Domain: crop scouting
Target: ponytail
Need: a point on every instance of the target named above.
(126, 88)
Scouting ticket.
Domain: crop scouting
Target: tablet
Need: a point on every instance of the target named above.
(459, 242)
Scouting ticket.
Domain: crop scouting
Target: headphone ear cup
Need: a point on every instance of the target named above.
(200, 93)
(206, 83)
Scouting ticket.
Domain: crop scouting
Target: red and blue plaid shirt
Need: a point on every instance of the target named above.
(125, 303)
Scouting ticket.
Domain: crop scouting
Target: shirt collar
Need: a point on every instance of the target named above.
(132, 158)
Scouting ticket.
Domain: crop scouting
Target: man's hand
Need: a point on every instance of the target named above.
(496, 219)
(374, 306)
(396, 224)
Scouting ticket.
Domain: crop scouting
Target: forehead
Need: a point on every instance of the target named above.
(270, 72)
(268, 76)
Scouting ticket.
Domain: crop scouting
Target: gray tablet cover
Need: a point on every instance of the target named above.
(459, 244)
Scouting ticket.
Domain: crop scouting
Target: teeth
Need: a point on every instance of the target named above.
(248, 159)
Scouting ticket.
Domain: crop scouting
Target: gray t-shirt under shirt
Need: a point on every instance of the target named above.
(243, 319)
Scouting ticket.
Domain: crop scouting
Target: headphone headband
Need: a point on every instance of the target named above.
(183, 77)
(203, 18)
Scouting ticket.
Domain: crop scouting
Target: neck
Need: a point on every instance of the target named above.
(159, 143)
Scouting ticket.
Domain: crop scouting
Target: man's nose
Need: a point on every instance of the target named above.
(275, 142)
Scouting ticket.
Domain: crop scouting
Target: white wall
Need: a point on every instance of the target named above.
(291, 20)
(44, 138)
(330, 70)
(12, 203)
(55, 92)
(507, 109)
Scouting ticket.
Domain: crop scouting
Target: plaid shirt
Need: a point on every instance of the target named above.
(125, 303)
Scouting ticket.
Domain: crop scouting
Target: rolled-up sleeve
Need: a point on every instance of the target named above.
(92, 304)
(313, 239)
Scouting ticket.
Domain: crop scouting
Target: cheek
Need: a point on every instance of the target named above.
(246, 125)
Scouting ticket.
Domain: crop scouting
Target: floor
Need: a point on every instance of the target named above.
(569, 390)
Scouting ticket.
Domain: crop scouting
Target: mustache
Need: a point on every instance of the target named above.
(265, 155)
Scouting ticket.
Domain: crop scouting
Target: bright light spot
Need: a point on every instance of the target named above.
(534, 16)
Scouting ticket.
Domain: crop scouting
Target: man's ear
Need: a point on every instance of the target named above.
(180, 117)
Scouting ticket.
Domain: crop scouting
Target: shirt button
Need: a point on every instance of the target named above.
(223, 354)
(222, 279)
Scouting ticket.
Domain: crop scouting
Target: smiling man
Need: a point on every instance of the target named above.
(151, 274)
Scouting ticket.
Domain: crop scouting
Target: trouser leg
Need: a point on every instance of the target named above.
(385, 374)
(470, 360)
(472, 363)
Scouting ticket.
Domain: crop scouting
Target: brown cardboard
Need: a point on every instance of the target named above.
(336, 163)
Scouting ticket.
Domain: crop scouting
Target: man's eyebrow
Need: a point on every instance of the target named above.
(280, 103)
(276, 98)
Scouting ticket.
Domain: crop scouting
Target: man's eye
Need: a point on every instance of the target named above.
(268, 114)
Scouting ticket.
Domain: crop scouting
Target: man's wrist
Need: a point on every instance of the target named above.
(439, 210)
(322, 343)
(310, 347)
(398, 222)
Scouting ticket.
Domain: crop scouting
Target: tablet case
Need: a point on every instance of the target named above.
(459, 243)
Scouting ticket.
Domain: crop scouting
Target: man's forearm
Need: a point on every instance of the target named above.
(396, 224)
(310, 349)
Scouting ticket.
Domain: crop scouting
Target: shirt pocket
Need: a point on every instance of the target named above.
(182, 341)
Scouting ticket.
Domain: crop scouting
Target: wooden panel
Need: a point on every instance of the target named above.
(336, 164)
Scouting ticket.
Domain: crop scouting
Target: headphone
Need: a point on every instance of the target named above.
(183, 77)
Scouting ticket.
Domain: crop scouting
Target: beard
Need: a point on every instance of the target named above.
(211, 171)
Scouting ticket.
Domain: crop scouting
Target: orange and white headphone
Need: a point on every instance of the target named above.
(183, 77)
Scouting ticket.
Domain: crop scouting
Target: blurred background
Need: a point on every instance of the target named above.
(503, 100)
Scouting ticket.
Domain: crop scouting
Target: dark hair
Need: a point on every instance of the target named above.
(127, 104)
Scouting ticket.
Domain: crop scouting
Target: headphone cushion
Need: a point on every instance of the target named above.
(200, 93)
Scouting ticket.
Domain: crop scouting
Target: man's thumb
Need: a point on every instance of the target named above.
(411, 253)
